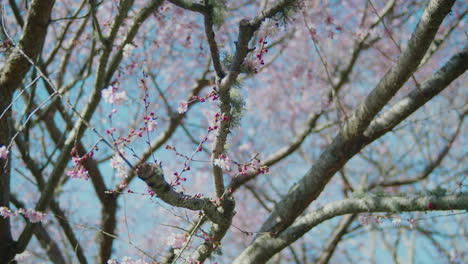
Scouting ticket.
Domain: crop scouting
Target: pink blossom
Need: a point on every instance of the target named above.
(4, 152)
(112, 261)
(33, 216)
(5, 212)
(177, 241)
(110, 95)
(76, 161)
(117, 163)
(151, 125)
(223, 162)
(364, 220)
(78, 173)
(183, 107)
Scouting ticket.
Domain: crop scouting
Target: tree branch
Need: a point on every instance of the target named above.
(153, 175)
(350, 139)
(265, 246)
(210, 36)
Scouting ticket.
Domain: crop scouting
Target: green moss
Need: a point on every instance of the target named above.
(237, 106)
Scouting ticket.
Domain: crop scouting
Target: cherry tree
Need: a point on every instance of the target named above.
(245, 131)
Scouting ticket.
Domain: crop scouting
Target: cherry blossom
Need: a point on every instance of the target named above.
(78, 173)
(151, 125)
(183, 107)
(110, 95)
(223, 162)
(5, 212)
(118, 163)
(177, 241)
(4, 152)
(33, 215)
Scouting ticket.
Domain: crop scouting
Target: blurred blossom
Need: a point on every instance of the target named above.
(152, 125)
(78, 173)
(364, 220)
(33, 216)
(117, 163)
(5, 212)
(183, 107)
(396, 222)
(4, 152)
(127, 50)
(177, 241)
(110, 95)
(412, 223)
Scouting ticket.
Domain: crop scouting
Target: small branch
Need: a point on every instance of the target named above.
(451, 70)
(332, 243)
(210, 35)
(401, 71)
(279, 154)
(153, 175)
(246, 30)
(429, 167)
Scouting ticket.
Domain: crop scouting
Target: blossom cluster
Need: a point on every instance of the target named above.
(79, 171)
(30, 214)
(110, 95)
(177, 241)
(223, 162)
(366, 220)
(117, 163)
